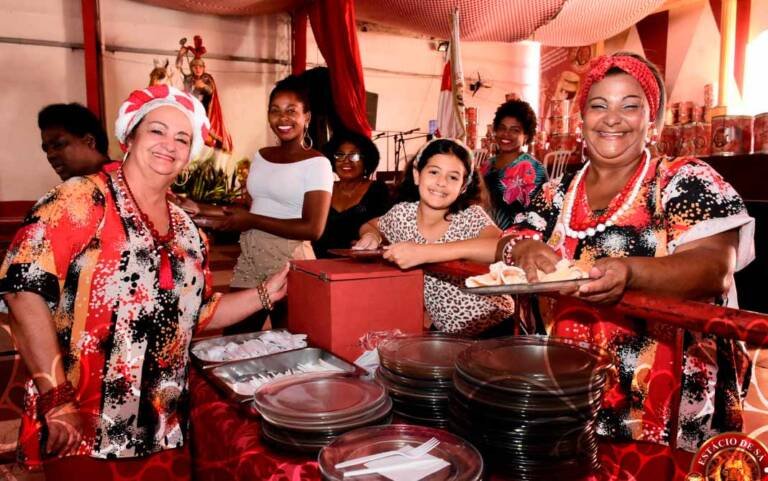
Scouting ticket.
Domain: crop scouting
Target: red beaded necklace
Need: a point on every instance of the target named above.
(162, 242)
(583, 218)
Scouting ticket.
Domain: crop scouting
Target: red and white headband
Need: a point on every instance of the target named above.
(141, 102)
(632, 66)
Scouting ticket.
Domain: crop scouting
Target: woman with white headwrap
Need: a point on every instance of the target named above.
(107, 282)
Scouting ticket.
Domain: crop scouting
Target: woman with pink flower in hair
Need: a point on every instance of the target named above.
(512, 177)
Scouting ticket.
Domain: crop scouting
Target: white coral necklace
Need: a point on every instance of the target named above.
(600, 227)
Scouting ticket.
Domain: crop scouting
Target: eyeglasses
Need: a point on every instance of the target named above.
(352, 157)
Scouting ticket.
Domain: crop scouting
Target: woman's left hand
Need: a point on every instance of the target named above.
(235, 218)
(406, 254)
(188, 205)
(611, 278)
(277, 284)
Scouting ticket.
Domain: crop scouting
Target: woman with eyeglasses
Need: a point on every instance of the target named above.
(513, 177)
(356, 198)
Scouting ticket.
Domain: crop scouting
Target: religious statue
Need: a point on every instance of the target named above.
(201, 84)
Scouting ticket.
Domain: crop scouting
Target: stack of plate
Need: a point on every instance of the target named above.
(466, 464)
(307, 411)
(529, 404)
(417, 371)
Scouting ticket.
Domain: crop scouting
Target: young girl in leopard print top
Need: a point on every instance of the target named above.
(439, 206)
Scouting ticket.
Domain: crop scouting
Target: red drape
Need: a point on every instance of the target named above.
(94, 85)
(653, 31)
(299, 41)
(333, 24)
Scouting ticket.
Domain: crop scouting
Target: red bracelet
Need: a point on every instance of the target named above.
(62, 394)
(506, 252)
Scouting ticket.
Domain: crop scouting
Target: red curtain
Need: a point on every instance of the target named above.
(333, 24)
(653, 31)
(299, 41)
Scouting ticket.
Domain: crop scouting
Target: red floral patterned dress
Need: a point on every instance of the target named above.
(674, 387)
(124, 340)
(512, 187)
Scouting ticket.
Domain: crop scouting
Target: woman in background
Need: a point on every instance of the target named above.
(512, 177)
(356, 198)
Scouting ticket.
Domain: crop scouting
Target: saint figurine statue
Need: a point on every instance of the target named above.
(201, 84)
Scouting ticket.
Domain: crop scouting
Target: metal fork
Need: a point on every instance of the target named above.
(411, 452)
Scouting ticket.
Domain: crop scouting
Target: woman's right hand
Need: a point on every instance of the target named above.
(368, 241)
(65, 427)
(531, 255)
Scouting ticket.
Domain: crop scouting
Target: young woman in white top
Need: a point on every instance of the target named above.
(290, 186)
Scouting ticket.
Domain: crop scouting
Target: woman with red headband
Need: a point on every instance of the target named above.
(107, 282)
(667, 226)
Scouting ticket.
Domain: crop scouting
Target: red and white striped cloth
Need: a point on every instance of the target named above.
(582, 22)
(562, 23)
(487, 20)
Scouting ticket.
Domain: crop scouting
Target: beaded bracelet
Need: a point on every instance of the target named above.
(266, 302)
(506, 252)
(62, 394)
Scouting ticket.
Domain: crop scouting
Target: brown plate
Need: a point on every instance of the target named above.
(466, 464)
(422, 356)
(318, 397)
(527, 288)
(357, 254)
(538, 362)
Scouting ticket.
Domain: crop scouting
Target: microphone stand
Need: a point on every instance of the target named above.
(399, 142)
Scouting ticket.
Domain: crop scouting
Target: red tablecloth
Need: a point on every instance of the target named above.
(226, 445)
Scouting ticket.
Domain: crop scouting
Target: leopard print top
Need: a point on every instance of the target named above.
(450, 309)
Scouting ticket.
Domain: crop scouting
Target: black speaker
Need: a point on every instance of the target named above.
(371, 103)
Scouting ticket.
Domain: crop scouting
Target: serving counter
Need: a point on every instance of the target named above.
(226, 436)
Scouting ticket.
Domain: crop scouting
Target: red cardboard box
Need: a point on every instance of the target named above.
(337, 301)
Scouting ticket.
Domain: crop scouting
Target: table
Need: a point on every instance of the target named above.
(226, 446)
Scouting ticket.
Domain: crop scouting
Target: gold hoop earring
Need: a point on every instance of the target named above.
(184, 175)
(306, 139)
(125, 156)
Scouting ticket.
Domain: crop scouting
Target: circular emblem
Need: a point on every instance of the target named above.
(730, 457)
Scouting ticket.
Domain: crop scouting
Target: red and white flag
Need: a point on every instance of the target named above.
(450, 105)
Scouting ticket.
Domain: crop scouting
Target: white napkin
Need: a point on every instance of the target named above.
(369, 360)
(411, 474)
